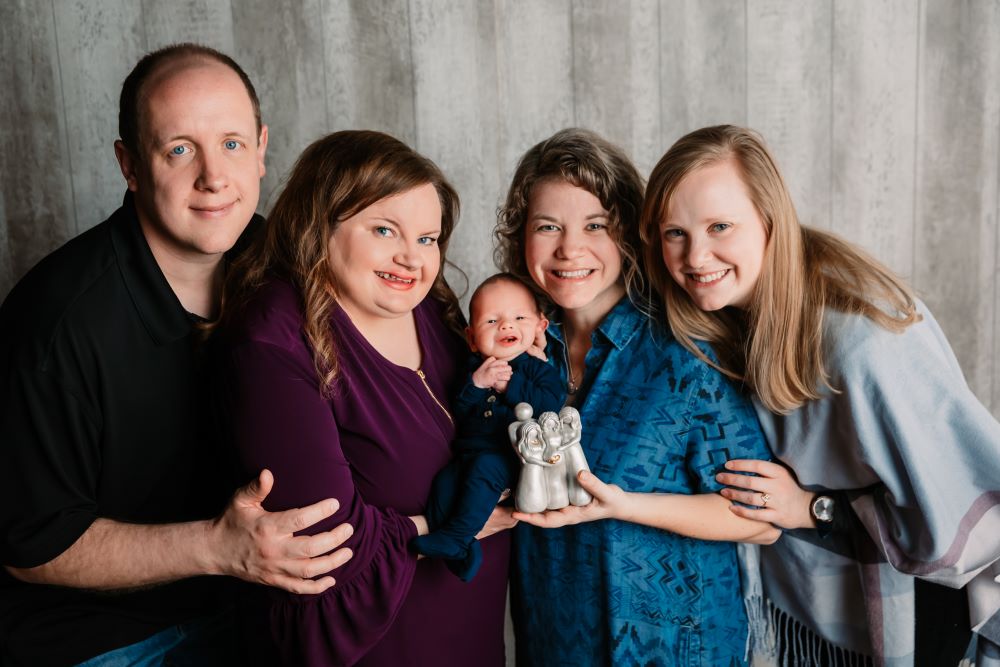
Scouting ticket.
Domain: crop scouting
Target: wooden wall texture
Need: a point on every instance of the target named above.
(884, 114)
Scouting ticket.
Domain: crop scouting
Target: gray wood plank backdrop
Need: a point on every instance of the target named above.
(885, 114)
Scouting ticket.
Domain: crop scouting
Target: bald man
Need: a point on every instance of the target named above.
(114, 496)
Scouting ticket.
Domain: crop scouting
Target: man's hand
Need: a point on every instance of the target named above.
(260, 546)
(246, 542)
(492, 372)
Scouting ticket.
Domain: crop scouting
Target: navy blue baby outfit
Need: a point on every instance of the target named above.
(465, 492)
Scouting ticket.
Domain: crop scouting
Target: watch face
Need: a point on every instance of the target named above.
(822, 509)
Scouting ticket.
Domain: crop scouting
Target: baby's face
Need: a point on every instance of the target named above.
(504, 322)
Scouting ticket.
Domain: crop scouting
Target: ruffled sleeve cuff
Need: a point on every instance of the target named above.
(340, 625)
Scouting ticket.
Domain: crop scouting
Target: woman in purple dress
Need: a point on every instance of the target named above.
(341, 356)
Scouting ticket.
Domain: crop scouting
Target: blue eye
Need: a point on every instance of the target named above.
(178, 150)
(546, 228)
(427, 240)
(720, 226)
(232, 144)
(382, 230)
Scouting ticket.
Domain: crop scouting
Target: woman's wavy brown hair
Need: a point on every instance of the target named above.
(776, 345)
(584, 159)
(335, 178)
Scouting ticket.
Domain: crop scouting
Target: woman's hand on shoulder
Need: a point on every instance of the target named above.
(537, 348)
(610, 502)
(774, 496)
(536, 352)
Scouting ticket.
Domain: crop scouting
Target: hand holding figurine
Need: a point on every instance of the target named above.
(610, 502)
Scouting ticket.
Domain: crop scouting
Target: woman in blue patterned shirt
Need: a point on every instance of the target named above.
(647, 573)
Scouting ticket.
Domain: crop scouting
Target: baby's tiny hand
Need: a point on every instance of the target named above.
(491, 372)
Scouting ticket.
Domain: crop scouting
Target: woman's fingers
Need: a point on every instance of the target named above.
(539, 519)
(754, 498)
(756, 466)
(540, 341)
(607, 499)
(763, 515)
(742, 481)
(593, 485)
(551, 518)
(773, 495)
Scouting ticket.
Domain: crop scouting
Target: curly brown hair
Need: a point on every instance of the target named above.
(585, 160)
(335, 178)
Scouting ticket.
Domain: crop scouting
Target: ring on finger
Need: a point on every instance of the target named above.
(764, 497)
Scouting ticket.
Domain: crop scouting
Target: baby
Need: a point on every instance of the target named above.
(504, 319)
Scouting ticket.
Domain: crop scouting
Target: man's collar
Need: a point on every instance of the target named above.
(158, 307)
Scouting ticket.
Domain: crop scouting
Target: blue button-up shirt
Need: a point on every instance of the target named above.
(656, 420)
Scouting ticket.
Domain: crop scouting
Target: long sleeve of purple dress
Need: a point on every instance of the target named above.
(375, 445)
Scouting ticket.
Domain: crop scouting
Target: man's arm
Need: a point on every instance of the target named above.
(245, 542)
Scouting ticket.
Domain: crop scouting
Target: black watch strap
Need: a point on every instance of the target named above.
(841, 522)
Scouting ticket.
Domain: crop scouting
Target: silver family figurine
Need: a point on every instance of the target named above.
(551, 458)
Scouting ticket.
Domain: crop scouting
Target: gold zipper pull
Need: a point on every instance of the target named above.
(423, 378)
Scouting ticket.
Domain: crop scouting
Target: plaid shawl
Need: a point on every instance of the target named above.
(919, 457)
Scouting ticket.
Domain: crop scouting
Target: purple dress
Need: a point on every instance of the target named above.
(375, 446)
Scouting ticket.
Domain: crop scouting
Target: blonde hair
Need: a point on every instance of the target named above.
(335, 178)
(776, 346)
(585, 160)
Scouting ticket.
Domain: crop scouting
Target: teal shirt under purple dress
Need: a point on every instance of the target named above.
(655, 420)
(374, 445)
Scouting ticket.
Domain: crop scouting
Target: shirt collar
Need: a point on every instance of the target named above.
(158, 307)
(618, 327)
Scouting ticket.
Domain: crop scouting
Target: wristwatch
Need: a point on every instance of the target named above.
(822, 509)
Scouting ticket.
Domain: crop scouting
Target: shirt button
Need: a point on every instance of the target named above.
(488, 413)
(491, 399)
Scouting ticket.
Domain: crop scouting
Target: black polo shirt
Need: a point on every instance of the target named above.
(103, 397)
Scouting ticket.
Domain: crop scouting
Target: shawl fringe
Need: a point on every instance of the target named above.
(778, 639)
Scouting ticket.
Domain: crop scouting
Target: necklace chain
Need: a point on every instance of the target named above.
(571, 385)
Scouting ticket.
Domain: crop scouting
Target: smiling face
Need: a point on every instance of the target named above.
(568, 250)
(197, 183)
(712, 238)
(385, 258)
(504, 320)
